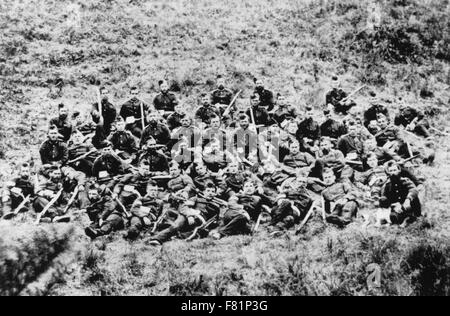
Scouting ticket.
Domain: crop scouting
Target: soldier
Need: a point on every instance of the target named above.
(372, 180)
(179, 182)
(401, 195)
(374, 110)
(251, 199)
(195, 212)
(272, 176)
(109, 112)
(332, 128)
(83, 124)
(145, 211)
(132, 112)
(214, 157)
(336, 96)
(352, 147)
(292, 204)
(156, 130)
(174, 119)
(17, 190)
(62, 123)
(81, 155)
(165, 101)
(123, 142)
(206, 111)
(245, 140)
(341, 195)
(265, 96)
(105, 213)
(383, 154)
(215, 132)
(46, 192)
(221, 97)
(108, 166)
(53, 150)
(413, 121)
(204, 176)
(235, 221)
(297, 160)
(258, 111)
(388, 133)
(152, 156)
(329, 158)
(308, 133)
(283, 112)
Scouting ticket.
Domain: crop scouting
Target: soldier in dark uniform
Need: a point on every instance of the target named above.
(206, 111)
(221, 97)
(156, 130)
(336, 96)
(53, 150)
(62, 122)
(174, 119)
(109, 112)
(266, 97)
(371, 114)
(308, 133)
(283, 112)
(260, 113)
(123, 141)
(131, 112)
(165, 101)
(332, 128)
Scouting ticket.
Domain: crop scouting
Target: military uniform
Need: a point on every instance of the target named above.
(84, 165)
(53, 151)
(45, 193)
(131, 110)
(334, 97)
(206, 113)
(333, 129)
(174, 120)
(371, 114)
(266, 98)
(158, 131)
(65, 128)
(221, 96)
(165, 102)
(299, 161)
(109, 115)
(283, 114)
(145, 211)
(260, 114)
(105, 216)
(124, 142)
(14, 192)
(345, 201)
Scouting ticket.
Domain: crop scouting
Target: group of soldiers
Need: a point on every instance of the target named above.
(160, 172)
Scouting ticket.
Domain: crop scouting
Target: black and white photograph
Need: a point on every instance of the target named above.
(224, 153)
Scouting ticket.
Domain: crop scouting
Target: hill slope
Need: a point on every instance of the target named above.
(52, 51)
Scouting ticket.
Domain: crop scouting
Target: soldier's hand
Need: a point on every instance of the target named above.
(407, 205)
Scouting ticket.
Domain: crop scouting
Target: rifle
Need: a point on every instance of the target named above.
(352, 162)
(202, 227)
(160, 220)
(82, 156)
(128, 215)
(8, 216)
(231, 104)
(47, 207)
(72, 199)
(142, 116)
(308, 215)
(99, 101)
(352, 94)
(258, 221)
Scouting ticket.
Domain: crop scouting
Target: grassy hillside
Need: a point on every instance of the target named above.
(54, 51)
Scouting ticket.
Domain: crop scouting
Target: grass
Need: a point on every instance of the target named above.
(294, 45)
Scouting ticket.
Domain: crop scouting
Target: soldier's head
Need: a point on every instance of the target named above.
(382, 120)
(335, 82)
(153, 117)
(328, 114)
(77, 137)
(215, 122)
(309, 112)
(152, 189)
(179, 109)
(104, 92)
(77, 117)
(210, 190)
(393, 170)
(63, 111)
(120, 125)
(134, 91)
(174, 169)
(55, 173)
(150, 144)
(220, 82)
(329, 178)
(163, 86)
(352, 129)
(372, 160)
(205, 99)
(300, 182)
(255, 100)
(249, 188)
(186, 121)
(373, 125)
(144, 168)
(292, 128)
(294, 148)
(53, 133)
(244, 121)
(93, 193)
(259, 84)
(201, 169)
(25, 171)
(215, 145)
(373, 99)
(106, 147)
(233, 167)
(370, 144)
(326, 145)
(281, 100)
(269, 166)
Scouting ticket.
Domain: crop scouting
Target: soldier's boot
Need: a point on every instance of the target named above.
(92, 232)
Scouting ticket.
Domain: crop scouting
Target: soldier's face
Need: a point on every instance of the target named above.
(282, 101)
(201, 170)
(326, 146)
(249, 188)
(185, 122)
(210, 193)
(53, 135)
(294, 148)
(77, 138)
(292, 128)
(244, 123)
(24, 172)
(372, 162)
(353, 130)
(205, 101)
(144, 169)
(152, 118)
(120, 126)
(383, 122)
(329, 178)
(371, 144)
(63, 113)
(152, 191)
(93, 195)
(56, 175)
(221, 84)
(335, 84)
(175, 171)
(328, 116)
(259, 84)
(255, 101)
(215, 123)
(134, 92)
(164, 87)
(179, 109)
(233, 168)
(269, 168)
(309, 113)
(300, 183)
(393, 171)
(105, 94)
